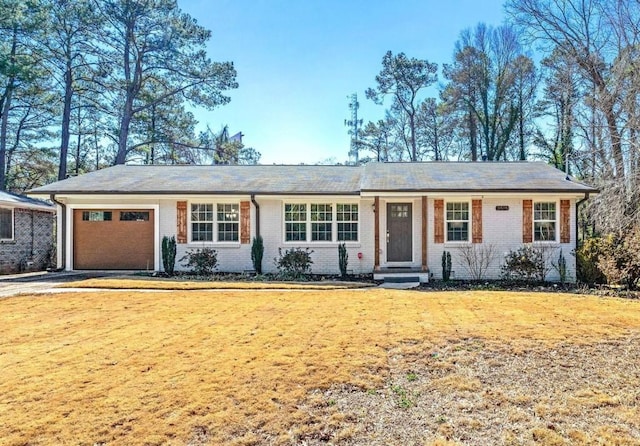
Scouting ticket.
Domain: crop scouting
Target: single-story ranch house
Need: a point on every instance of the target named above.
(26, 233)
(389, 215)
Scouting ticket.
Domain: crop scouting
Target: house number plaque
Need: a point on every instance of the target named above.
(502, 208)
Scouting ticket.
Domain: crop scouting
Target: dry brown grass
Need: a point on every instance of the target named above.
(176, 284)
(241, 367)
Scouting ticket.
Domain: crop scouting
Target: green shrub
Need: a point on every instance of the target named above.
(525, 263)
(294, 263)
(343, 259)
(446, 265)
(561, 267)
(587, 256)
(202, 262)
(257, 252)
(168, 254)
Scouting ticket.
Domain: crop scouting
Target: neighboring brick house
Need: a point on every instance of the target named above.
(389, 215)
(26, 233)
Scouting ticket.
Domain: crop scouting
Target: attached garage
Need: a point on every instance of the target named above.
(113, 239)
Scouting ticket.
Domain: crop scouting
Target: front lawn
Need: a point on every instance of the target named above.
(365, 366)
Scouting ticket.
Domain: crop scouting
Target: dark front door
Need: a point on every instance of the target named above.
(399, 243)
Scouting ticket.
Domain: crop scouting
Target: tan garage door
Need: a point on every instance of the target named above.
(113, 239)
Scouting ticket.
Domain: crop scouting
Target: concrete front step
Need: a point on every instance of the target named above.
(400, 276)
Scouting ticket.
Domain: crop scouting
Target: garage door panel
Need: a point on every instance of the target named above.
(123, 239)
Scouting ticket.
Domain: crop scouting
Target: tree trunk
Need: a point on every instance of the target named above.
(123, 136)
(473, 137)
(414, 151)
(66, 120)
(4, 121)
(4, 118)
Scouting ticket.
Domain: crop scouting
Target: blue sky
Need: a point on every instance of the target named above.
(298, 61)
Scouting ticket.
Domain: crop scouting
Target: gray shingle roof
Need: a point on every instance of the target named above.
(21, 201)
(264, 179)
(320, 180)
(465, 177)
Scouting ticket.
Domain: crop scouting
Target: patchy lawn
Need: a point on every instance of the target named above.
(153, 283)
(315, 367)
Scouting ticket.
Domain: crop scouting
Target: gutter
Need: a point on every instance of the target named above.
(257, 206)
(578, 203)
(63, 230)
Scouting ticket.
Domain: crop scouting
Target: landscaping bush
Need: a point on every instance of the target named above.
(561, 267)
(201, 261)
(619, 258)
(343, 259)
(294, 263)
(446, 265)
(257, 252)
(168, 254)
(526, 263)
(587, 256)
(476, 259)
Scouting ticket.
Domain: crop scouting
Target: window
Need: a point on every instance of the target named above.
(544, 222)
(347, 217)
(6, 224)
(321, 217)
(134, 216)
(458, 222)
(320, 222)
(96, 215)
(295, 222)
(202, 222)
(228, 222)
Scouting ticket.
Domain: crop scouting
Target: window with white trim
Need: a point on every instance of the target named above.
(202, 222)
(295, 222)
(544, 221)
(320, 222)
(6, 224)
(215, 222)
(347, 218)
(228, 222)
(457, 221)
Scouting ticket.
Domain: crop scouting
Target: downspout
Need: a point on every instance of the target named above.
(32, 235)
(257, 206)
(578, 203)
(63, 232)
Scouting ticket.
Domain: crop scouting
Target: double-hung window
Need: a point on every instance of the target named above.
(544, 221)
(347, 217)
(215, 222)
(320, 222)
(202, 222)
(228, 222)
(457, 221)
(295, 226)
(6, 224)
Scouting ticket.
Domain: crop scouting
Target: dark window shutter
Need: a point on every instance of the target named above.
(245, 222)
(527, 221)
(438, 221)
(181, 209)
(565, 224)
(476, 215)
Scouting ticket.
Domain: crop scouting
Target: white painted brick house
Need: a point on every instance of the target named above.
(389, 215)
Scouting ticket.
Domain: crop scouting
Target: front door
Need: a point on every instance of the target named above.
(399, 242)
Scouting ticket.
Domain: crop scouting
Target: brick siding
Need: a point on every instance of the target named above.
(24, 252)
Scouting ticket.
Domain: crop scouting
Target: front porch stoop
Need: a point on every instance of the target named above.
(401, 278)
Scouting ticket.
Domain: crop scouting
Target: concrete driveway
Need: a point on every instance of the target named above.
(38, 282)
